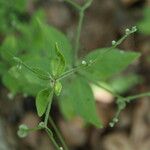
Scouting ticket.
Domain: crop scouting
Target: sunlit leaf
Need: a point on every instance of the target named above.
(58, 63)
(108, 63)
(43, 98)
(58, 88)
(79, 97)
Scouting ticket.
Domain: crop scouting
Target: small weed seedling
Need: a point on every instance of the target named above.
(64, 74)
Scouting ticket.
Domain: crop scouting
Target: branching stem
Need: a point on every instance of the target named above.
(79, 28)
(81, 11)
(131, 98)
(58, 133)
(74, 4)
(49, 106)
(48, 131)
(50, 135)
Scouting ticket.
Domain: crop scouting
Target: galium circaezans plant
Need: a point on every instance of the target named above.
(70, 79)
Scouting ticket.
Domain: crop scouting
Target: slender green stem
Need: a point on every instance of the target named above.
(34, 129)
(48, 108)
(110, 91)
(81, 10)
(47, 114)
(123, 104)
(87, 4)
(75, 69)
(74, 4)
(50, 135)
(42, 76)
(70, 72)
(101, 86)
(79, 28)
(130, 98)
(58, 133)
(99, 57)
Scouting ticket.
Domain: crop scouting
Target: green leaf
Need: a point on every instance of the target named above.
(58, 63)
(41, 73)
(3, 68)
(77, 99)
(53, 36)
(14, 5)
(37, 62)
(43, 98)
(23, 81)
(12, 84)
(124, 83)
(58, 88)
(144, 24)
(18, 5)
(108, 63)
(43, 38)
(10, 12)
(8, 48)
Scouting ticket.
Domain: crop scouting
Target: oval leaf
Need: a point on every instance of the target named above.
(41, 73)
(108, 63)
(58, 88)
(58, 63)
(42, 100)
(77, 99)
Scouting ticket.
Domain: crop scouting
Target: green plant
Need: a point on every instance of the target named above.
(10, 14)
(144, 24)
(55, 69)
